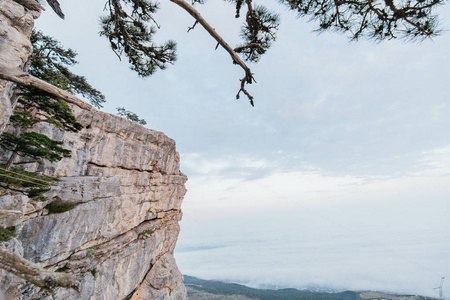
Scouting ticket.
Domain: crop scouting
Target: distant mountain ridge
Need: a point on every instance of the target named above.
(199, 289)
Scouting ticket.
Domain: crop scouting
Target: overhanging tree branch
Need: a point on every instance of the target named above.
(28, 80)
(375, 19)
(129, 31)
(54, 4)
(129, 34)
(248, 78)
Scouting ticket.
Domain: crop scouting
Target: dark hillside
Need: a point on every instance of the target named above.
(199, 289)
(222, 288)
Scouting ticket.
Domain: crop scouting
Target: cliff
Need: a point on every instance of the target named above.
(125, 181)
(16, 23)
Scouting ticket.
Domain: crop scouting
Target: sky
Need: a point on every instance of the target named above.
(338, 178)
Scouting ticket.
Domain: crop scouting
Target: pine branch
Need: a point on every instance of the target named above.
(54, 4)
(34, 82)
(129, 34)
(248, 78)
(250, 45)
(379, 20)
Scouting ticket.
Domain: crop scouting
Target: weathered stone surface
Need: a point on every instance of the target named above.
(16, 23)
(162, 282)
(14, 202)
(126, 181)
(9, 282)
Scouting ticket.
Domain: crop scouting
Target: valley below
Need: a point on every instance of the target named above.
(199, 289)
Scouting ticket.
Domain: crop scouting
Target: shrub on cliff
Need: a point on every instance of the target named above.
(7, 233)
(59, 206)
(121, 111)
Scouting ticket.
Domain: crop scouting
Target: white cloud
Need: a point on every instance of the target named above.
(201, 165)
(309, 228)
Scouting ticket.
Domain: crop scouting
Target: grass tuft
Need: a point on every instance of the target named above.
(58, 206)
(146, 232)
(7, 233)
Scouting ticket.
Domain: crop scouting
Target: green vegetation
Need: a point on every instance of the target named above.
(7, 233)
(130, 115)
(21, 178)
(131, 26)
(222, 288)
(199, 289)
(33, 145)
(63, 269)
(146, 232)
(93, 271)
(50, 62)
(90, 252)
(30, 183)
(35, 193)
(59, 206)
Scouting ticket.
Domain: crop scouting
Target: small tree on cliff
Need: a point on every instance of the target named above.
(32, 144)
(121, 111)
(49, 61)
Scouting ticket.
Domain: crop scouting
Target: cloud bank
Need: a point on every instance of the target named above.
(310, 229)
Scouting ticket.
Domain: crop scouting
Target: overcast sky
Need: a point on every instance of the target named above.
(339, 177)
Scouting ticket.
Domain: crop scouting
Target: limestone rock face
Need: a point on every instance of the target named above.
(119, 239)
(16, 23)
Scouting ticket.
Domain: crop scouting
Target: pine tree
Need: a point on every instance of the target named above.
(34, 145)
(121, 111)
(36, 106)
(128, 33)
(130, 26)
(49, 61)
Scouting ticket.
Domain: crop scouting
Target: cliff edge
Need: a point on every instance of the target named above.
(127, 187)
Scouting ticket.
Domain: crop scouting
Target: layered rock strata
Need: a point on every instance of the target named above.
(125, 181)
(16, 23)
(119, 239)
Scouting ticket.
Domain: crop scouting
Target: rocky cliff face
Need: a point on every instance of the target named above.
(120, 237)
(16, 23)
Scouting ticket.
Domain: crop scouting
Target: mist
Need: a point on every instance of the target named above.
(311, 230)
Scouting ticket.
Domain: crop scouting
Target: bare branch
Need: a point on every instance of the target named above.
(251, 45)
(236, 59)
(193, 26)
(242, 89)
(54, 4)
